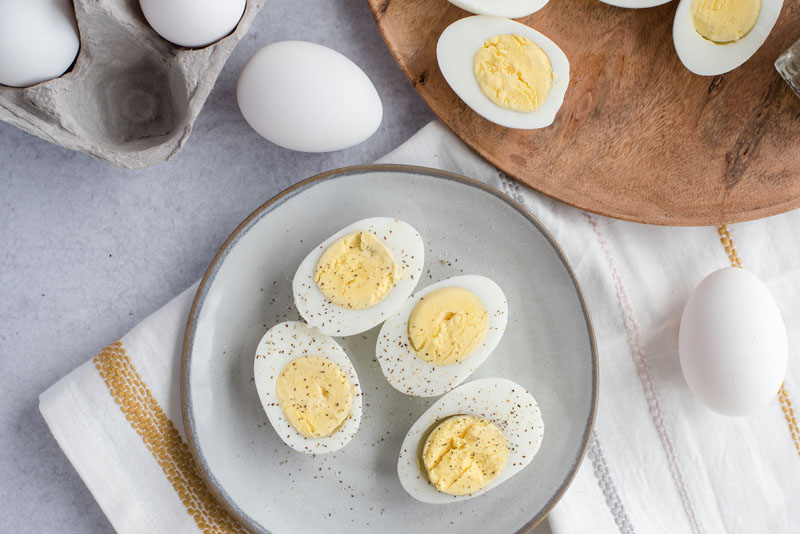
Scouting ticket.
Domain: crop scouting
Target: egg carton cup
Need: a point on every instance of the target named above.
(131, 97)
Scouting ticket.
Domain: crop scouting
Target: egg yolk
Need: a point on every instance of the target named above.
(357, 271)
(315, 395)
(513, 72)
(724, 21)
(463, 454)
(447, 325)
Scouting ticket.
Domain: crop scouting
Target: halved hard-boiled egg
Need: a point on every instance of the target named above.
(635, 4)
(512, 9)
(471, 440)
(359, 276)
(505, 71)
(308, 387)
(713, 37)
(442, 334)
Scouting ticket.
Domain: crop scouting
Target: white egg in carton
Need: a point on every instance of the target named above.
(131, 97)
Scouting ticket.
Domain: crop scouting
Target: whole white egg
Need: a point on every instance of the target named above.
(307, 97)
(511, 9)
(455, 52)
(193, 23)
(500, 401)
(408, 252)
(732, 343)
(407, 373)
(39, 40)
(708, 58)
(288, 341)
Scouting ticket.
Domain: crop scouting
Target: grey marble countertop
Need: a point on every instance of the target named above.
(89, 250)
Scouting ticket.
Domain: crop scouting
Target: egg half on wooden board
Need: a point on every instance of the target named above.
(505, 71)
(307, 97)
(732, 343)
(713, 37)
(635, 4)
(511, 9)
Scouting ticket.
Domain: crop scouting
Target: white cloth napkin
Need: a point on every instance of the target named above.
(658, 461)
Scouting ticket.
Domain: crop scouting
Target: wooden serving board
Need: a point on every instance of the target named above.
(639, 137)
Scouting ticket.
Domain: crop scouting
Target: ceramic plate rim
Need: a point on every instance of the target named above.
(202, 290)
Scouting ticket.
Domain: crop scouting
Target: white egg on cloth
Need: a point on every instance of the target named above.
(511, 9)
(294, 341)
(193, 23)
(398, 355)
(713, 37)
(500, 401)
(732, 343)
(39, 40)
(307, 97)
(359, 276)
(505, 71)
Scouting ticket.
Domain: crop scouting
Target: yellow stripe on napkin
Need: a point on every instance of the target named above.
(783, 396)
(163, 440)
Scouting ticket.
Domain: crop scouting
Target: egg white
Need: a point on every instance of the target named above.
(282, 344)
(413, 376)
(707, 58)
(456, 50)
(511, 9)
(635, 4)
(408, 251)
(503, 402)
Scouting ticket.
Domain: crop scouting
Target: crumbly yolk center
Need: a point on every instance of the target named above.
(464, 454)
(447, 325)
(724, 21)
(357, 271)
(513, 72)
(315, 395)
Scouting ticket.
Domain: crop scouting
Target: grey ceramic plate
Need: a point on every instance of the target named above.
(468, 227)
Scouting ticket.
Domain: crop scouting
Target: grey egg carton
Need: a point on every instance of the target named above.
(131, 97)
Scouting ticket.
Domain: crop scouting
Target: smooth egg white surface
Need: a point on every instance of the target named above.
(732, 343)
(503, 402)
(39, 40)
(413, 376)
(307, 97)
(408, 251)
(288, 341)
(635, 4)
(456, 50)
(707, 58)
(511, 9)
(193, 23)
